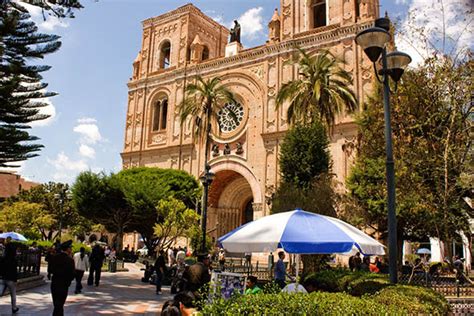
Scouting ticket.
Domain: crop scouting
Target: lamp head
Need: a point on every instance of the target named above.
(372, 41)
(396, 64)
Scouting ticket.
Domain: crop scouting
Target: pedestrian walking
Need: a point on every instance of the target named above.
(160, 268)
(81, 263)
(9, 274)
(95, 267)
(62, 270)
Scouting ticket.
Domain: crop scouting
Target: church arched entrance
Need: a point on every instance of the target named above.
(230, 203)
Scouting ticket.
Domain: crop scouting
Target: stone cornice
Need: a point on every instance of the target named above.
(187, 8)
(273, 136)
(317, 38)
(157, 151)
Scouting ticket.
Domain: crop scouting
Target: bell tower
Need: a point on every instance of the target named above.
(299, 16)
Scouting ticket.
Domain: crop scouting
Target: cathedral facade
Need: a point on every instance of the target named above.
(181, 44)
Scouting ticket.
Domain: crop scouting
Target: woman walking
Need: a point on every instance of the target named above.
(81, 263)
(9, 274)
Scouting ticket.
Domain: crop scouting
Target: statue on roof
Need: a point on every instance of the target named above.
(235, 33)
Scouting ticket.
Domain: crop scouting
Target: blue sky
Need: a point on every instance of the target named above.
(92, 68)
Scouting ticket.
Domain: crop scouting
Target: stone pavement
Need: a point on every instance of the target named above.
(118, 294)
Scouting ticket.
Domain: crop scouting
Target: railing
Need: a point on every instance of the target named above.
(446, 284)
(241, 266)
(29, 262)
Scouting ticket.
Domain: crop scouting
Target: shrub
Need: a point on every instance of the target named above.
(354, 283)
(321, 303)
(419, 300)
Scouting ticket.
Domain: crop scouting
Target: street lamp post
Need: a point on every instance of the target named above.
(206, 180)
(62, 197)
(373, 41)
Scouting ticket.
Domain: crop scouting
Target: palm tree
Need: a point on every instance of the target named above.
(203, 101)
(320, 93)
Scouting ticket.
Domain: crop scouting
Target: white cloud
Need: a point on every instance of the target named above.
(401, 1)
(66, 169)
(425, 21)
(86, 151)
(48, 25)
(252, 23)
(50, 110)
(89, 132)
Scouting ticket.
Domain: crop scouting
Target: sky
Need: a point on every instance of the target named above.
(94, 64)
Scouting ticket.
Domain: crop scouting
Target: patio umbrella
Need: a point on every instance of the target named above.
(300, 232)
(14, 236)
(423, 251)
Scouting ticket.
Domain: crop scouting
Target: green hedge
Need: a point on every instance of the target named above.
(360, 293)
(46, 244)
(354, 283)
(396, 300)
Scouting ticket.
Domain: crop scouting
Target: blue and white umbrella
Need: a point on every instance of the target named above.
(14, 236)
(300, 232)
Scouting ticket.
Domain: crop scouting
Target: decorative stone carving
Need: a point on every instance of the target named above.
(257, 207)
(226, 149)
(269, 193)
(270, 123)
(158, 139)
(129, 120)
(258, 71)
(138, 118)
(215, 150)
(240, 149)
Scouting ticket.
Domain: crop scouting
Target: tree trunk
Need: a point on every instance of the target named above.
(313, 263)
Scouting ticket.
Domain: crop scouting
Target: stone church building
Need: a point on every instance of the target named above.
(183, 43)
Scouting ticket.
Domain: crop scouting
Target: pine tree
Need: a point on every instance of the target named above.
(22, 91)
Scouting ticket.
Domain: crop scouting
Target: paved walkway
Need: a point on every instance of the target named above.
(118, 294)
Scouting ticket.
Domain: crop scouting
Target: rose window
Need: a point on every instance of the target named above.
(230, 117)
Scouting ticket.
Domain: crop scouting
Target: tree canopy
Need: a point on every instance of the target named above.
(127, 201)
(22, 90)
(305, 171)
(321, 92)
(432, 142)
(37, 210)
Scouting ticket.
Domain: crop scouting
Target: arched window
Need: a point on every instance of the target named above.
(165, 55)
(319, 13)
(205, 53)
(160, 113)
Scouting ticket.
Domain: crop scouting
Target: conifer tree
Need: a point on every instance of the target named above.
(22, 91)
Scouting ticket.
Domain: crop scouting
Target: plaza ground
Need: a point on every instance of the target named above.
(118, 294)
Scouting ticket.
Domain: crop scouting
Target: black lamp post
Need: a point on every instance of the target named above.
(62, 197)
(206, 180)
(373, 41)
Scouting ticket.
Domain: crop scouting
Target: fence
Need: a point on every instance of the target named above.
(29, 262)
(446, 284)
(242, 266)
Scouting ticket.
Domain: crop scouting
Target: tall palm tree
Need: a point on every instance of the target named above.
(320, 93)
(203, 101)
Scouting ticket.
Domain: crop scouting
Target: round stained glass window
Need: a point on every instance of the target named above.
(230, 117)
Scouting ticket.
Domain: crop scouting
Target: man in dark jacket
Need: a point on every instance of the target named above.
(62, 269)
(160, 268)
(96, 260)
(9, 274)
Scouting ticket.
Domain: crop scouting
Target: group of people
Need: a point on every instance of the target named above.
(64, 267)
(356, 263)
